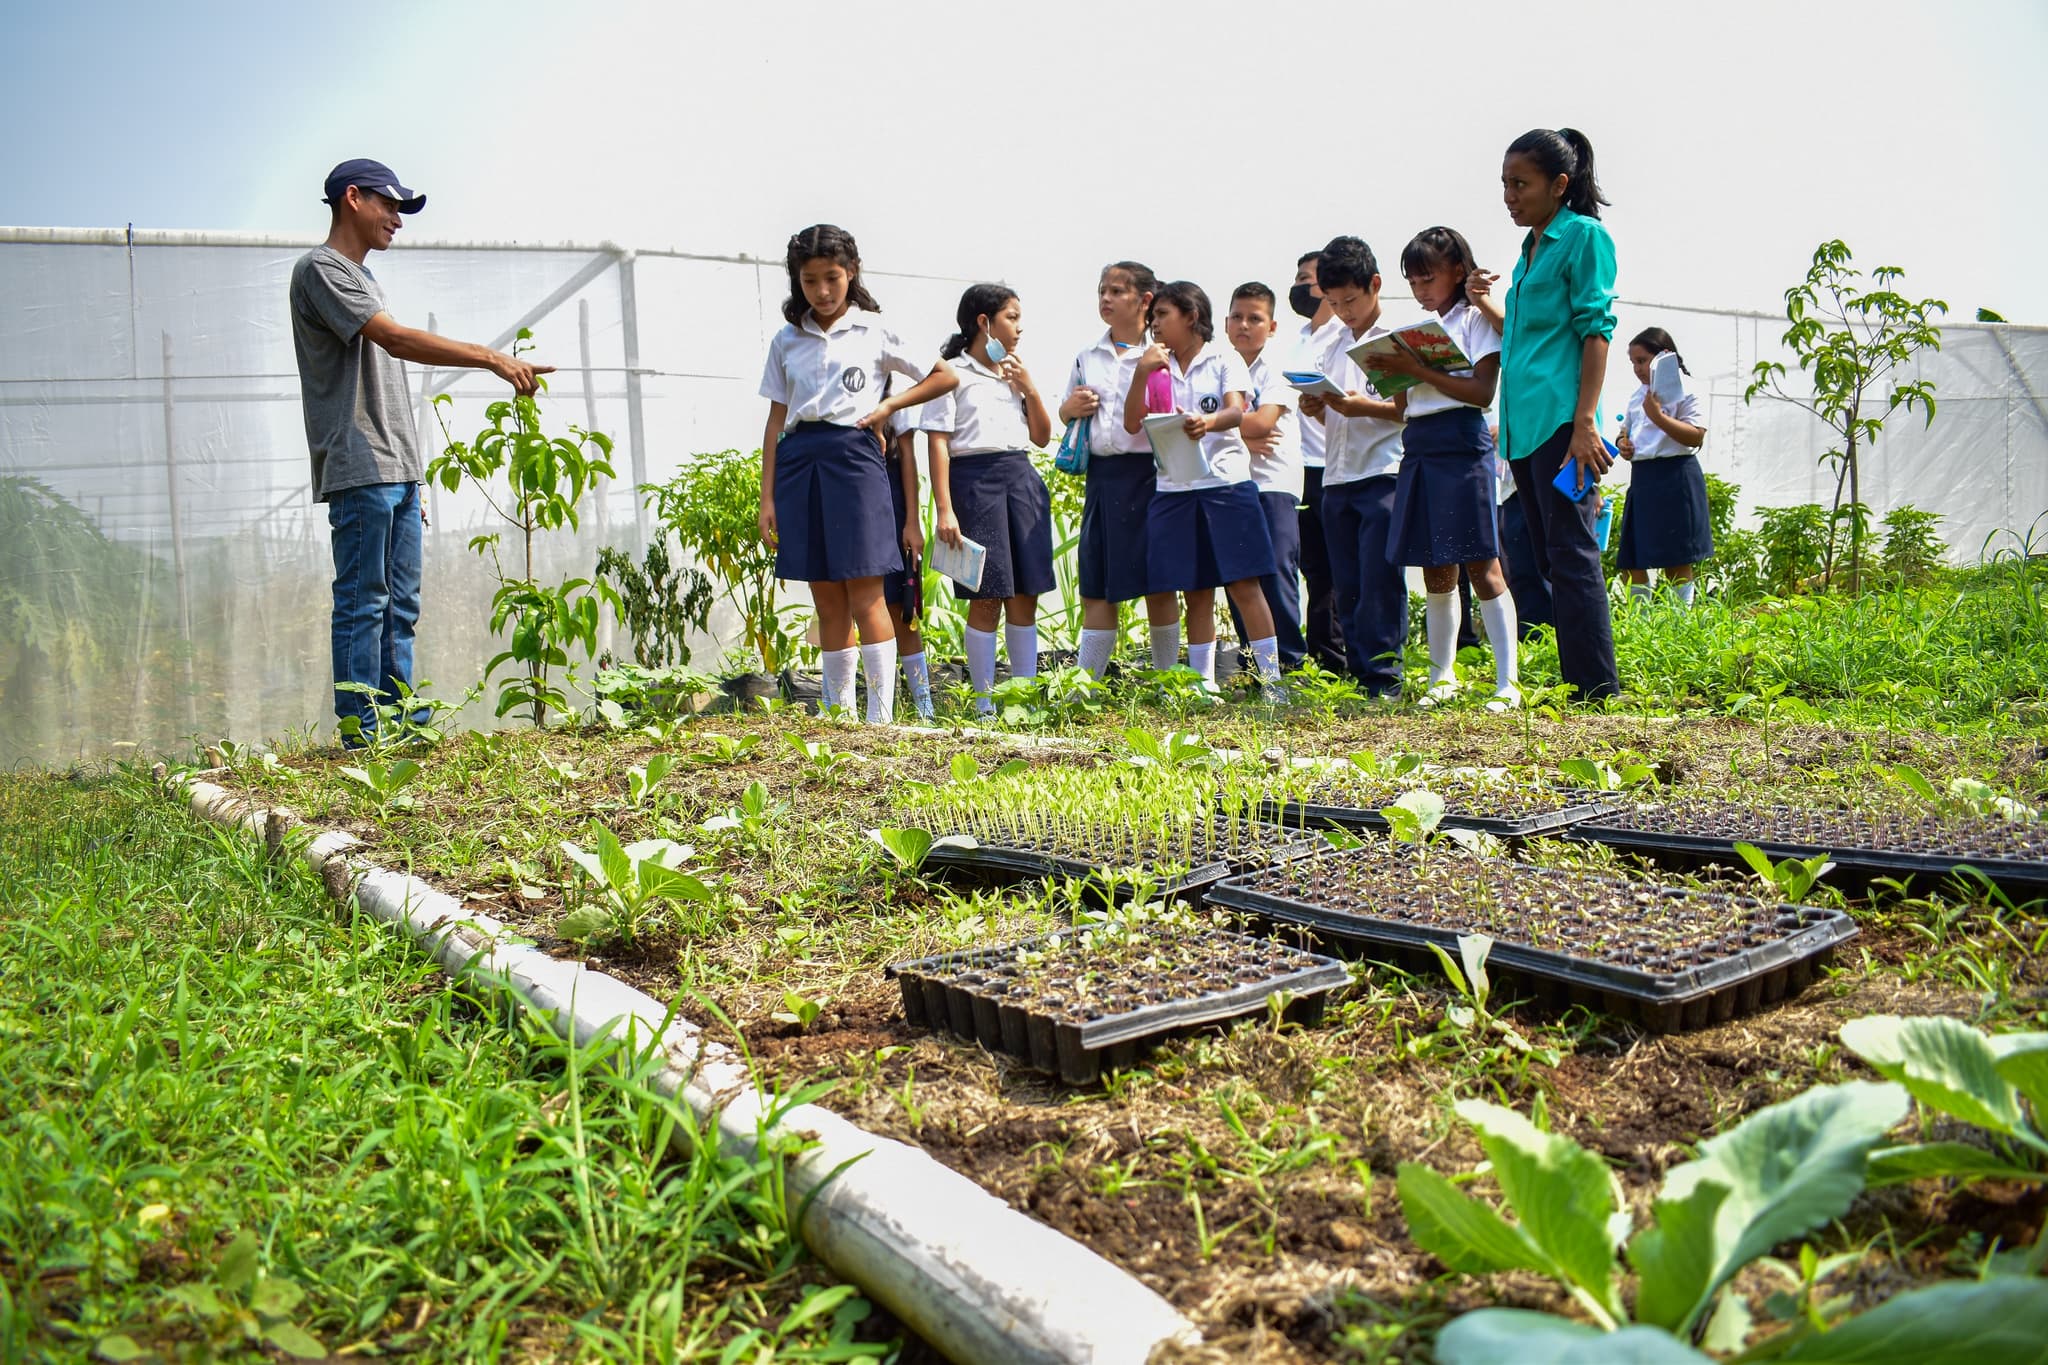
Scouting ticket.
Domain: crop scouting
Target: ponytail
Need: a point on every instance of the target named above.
(1657, 341)
(1565, 152)
(979, 301)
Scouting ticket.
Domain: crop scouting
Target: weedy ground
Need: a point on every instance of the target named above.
(1244, 1173)
(233, 1123)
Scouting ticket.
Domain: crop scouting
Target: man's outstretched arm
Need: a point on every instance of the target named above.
(425, 348)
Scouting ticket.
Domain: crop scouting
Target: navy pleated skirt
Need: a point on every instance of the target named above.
(893, 583)
(1207, 538)
(1003, 504)
(1664, 517)
(1444, 499)
(832, 511)
(1114, 508)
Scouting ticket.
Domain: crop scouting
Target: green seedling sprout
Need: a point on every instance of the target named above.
(385, 782)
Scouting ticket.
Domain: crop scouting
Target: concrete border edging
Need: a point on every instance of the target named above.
(969, 1274)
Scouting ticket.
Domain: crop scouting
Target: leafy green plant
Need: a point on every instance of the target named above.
(1414, 818)
(1996, 1082)
(1174, 749)
(908, 848)
(628, 879)
(545, 479)
(1606, 774)
(1060, 696)
(1913, 548)
(1967, 795)
(712, 507)
(1784, 1170)
(660, 602)
(1793, 877)
(399, 720)
(238, 1307)
(726, 749)
(820, 758)
(964, 769)
(1854, 342)
(799, 1010)
(641, 781)
(1471, 1016)
(385, 783)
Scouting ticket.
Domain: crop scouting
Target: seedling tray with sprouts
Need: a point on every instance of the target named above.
(2012, 854)
(1669, 957)
(1076, 1007)
(1180, 867)
(1344, 798)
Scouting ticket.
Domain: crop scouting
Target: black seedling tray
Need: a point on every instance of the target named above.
(996, 862)
(2020, 880)
(969, 994)
(1664, 1002)
(1300, 814)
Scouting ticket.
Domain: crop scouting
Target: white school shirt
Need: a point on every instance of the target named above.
(1217, 370)
(1279, 472)
(1107, 370)
(982, 416)
(1652, 442)
(1356, 447)
(1476, 337)
(1310, 346)
(837, 375)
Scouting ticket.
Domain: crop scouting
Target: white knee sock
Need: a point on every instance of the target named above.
(1499, 616)
(1165, 646)
(917, 672)
(1096, 647)
(1441, 613)
(838, 667)
(1685, 591)
(1020, 643)
(878, 661)
(1266, 654)
(1639, 592)
(981, 665)
(1202, 658)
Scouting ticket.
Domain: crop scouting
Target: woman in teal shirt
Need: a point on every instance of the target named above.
(1559, 320)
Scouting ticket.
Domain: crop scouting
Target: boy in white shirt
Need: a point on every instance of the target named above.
(1272, 430)
(1322, 631)
(1362, 457)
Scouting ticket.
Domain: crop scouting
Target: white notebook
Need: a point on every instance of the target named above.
(1309, 381)
(1665, 381)
(1179, 458)
(963, 565)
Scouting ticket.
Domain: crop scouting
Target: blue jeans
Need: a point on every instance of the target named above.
(1372, 595)
(377, 534)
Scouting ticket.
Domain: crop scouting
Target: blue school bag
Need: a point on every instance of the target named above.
(1073, 453)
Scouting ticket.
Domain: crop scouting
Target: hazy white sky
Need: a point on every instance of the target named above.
(1034, 142)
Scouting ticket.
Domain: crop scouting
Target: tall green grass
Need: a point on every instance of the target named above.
(228, 1117)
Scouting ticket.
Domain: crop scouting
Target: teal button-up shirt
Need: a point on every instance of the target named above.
(1557, 300)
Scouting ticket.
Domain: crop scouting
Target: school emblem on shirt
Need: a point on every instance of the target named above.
(853, 380)
(1209, 403)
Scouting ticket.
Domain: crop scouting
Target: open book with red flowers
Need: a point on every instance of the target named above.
(1427, 341)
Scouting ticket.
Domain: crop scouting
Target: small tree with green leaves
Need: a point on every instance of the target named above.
(1855, 343)
(545, 479)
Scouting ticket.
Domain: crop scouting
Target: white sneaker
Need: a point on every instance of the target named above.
(1439, 693)
(1508, 698)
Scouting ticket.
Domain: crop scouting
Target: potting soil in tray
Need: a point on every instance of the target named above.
(1472, 800)
(1075, 1010)
(1171, 871)
(2013, 854)
(1670, 957)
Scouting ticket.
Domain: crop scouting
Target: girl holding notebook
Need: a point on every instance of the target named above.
(1443, 504)
(1206, 527)
(984, 487)
(1664, 522)
(1121, 477)
(825, 503)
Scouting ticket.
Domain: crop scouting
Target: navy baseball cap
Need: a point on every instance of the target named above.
(374, 176)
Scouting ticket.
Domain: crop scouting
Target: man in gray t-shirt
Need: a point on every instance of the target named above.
(359, 429)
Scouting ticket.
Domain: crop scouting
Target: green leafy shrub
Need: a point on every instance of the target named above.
(713, 508)
(1913, 548)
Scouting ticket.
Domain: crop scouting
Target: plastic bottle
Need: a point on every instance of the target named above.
(1159, 392)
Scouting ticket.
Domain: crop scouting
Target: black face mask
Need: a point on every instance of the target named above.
(1303, 301)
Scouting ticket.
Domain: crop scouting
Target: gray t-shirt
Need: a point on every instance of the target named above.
(358, 411)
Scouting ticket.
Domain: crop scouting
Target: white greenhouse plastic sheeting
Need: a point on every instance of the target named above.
(164, 574)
